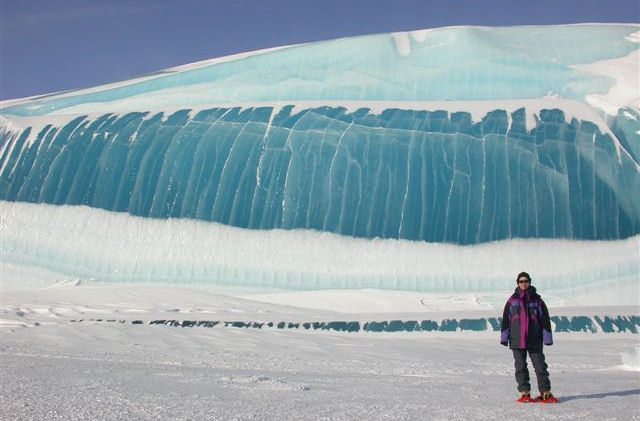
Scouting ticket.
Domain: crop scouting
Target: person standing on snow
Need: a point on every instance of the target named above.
(525, 328)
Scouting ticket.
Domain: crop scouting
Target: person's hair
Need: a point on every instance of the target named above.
(523, 275)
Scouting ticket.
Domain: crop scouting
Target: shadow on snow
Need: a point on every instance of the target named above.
(601, 395)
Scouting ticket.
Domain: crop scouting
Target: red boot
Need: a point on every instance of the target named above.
(525, 397)
(546, 397)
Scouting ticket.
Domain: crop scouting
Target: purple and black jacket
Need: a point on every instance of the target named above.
(525, 321)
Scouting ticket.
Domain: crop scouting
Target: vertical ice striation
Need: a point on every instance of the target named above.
(404, 174)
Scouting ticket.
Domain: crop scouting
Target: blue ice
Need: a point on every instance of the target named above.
(419, 175)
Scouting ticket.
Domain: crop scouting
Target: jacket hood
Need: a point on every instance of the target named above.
(532, 292)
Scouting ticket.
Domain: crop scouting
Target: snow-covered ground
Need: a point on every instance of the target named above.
(53, 368)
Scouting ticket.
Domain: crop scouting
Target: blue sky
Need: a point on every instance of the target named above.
(48, 46)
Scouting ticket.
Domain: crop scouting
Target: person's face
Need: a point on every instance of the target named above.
(523, 283)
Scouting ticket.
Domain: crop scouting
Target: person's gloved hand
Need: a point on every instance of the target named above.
(504, 337)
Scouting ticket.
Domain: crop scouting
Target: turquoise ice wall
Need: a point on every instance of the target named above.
(418, 175)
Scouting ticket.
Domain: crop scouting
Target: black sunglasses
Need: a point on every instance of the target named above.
(524, 281)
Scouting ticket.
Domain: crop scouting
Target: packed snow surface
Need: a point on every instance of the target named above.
(54, 368)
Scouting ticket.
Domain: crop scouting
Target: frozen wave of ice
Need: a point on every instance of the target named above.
(453, 136)
(397, 173)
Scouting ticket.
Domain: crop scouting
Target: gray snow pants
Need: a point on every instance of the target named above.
(540, 367)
